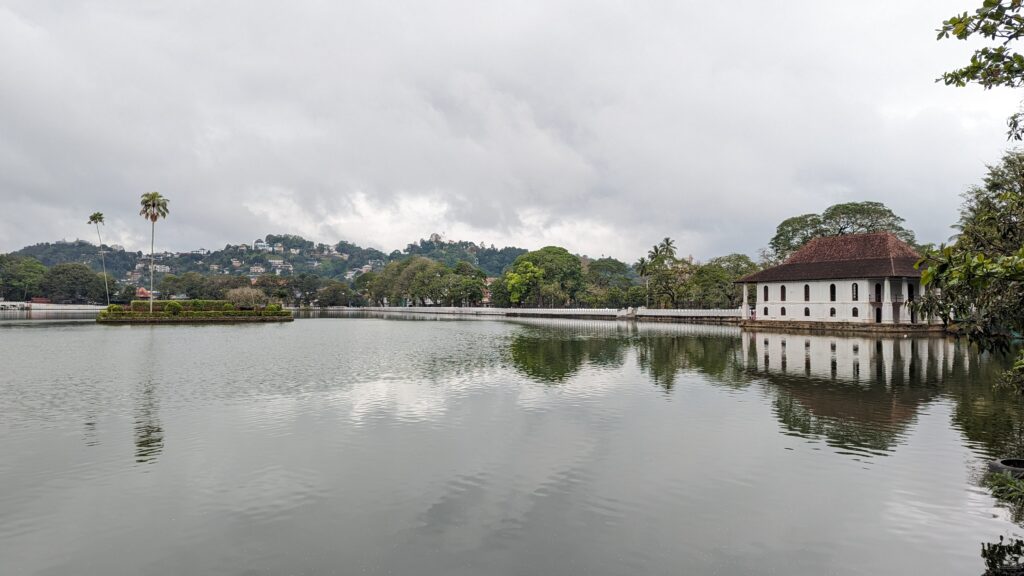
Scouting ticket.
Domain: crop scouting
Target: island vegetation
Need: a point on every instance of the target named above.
(194, 311)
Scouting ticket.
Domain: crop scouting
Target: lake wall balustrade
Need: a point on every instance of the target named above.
(723, 315)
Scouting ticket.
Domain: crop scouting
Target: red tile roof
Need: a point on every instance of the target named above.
(875, 255)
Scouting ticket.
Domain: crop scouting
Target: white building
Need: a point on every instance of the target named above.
(855, 278)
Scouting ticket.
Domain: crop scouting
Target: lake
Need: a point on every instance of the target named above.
(439, 446)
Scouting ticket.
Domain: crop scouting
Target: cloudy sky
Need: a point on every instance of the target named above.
(598, 126)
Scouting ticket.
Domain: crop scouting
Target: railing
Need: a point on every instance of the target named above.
(575, 312)
(691, 313)
(494, 311)
(895, 299)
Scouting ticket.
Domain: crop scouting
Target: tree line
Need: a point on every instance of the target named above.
(439, 272)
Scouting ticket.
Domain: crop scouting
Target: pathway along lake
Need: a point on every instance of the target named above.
(437, 446)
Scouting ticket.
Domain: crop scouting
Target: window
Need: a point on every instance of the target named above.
(856, 311)
(766, 296)
(782, 312)
(765, 308)
(832, 293)
(855, 291)
(832, 312)
(807, 292)
(807, 311)
(782, 293)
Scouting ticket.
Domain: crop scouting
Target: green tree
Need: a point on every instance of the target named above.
(559, 280)
(154, 207)
(523, 279)
(20, 276)
(996, 65)
(847, 218)
(334, 293)
(97, 219)
(303, 288)
(71, 284)
(977, 283)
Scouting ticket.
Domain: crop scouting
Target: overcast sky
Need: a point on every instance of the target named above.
(598, 126)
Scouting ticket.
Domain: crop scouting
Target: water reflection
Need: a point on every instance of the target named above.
(543, 355)
(148, 432)
(552, 351)
(859, 394)
(486, 447)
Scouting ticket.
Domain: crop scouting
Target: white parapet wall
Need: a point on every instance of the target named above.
(560, 312)
(690, 313)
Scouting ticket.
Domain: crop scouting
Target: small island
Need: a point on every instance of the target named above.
(191, 312)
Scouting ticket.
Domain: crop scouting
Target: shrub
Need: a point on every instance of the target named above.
(173, 308)
(115, 308)
(158, 305)
(228, 306)
(274, 308)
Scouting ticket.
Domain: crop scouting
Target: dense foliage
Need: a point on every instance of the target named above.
(977, 282)
(422, 281)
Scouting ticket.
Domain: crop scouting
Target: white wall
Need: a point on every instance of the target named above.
(820, 303)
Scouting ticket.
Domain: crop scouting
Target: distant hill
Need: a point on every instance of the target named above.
(295, 253)
(80, 251)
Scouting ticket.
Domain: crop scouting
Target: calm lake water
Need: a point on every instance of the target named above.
(432, 446)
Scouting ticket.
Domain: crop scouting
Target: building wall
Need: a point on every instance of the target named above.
(819, 306)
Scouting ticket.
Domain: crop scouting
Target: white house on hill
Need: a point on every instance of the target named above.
(856, 278)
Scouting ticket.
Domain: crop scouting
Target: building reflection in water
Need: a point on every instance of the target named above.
(858, 393)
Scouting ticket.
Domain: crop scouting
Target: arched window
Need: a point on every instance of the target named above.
(856, 311)
(807, 311)
(765, 295)
(855, 291)
(765, 308)
(807, 292)
(782, 311)
(782, 294)
(832, 312)
(832, 293)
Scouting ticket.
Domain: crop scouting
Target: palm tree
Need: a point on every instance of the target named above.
(97, 219)
(643, 267)
(668, 247)
(654, 253)
(154, 207)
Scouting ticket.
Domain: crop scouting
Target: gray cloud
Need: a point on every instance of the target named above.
(598, 126)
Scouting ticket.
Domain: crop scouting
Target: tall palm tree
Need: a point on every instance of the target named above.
(154, 207)
(97, 219)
